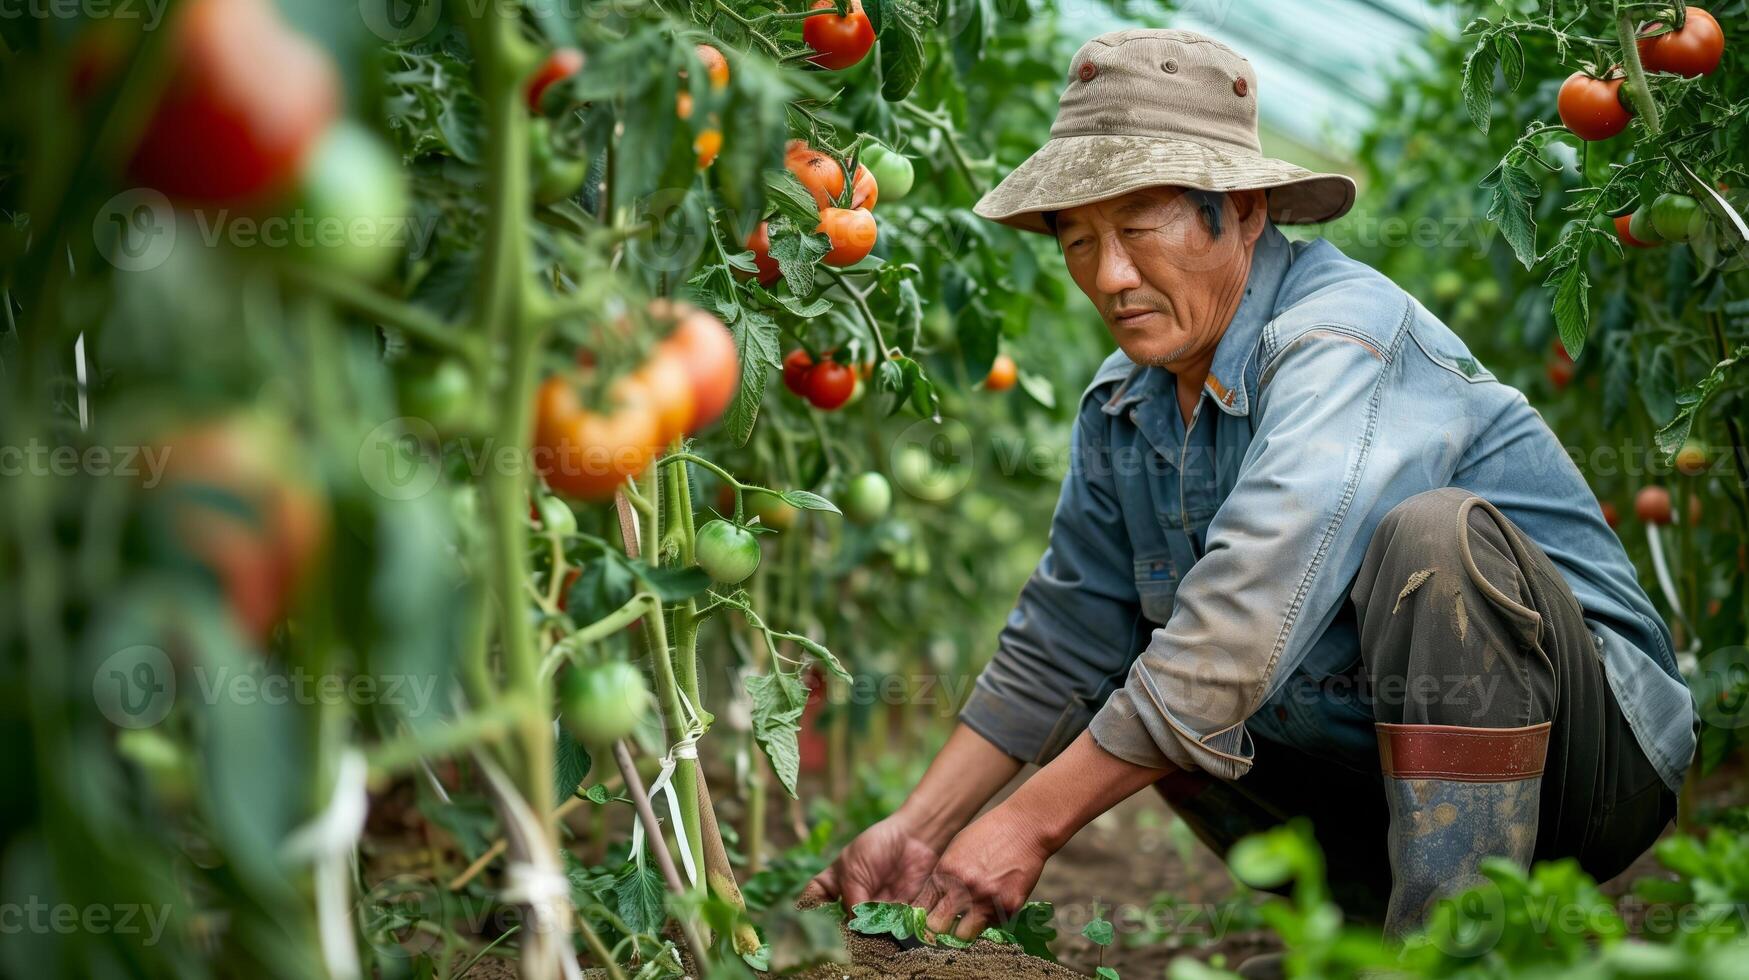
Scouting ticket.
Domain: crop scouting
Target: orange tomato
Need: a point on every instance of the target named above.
(586, 454)
(663, 384)
(716, 66)
(817, 171)
(707, 145)
(853, 232)
(558, 66)
(707, 350)
(1003, 373)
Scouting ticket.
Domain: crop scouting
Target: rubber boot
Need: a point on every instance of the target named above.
(1457, 795)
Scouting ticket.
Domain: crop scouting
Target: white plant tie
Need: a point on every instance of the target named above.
(329, 840)
(686, 748)
(544, 890)
(1685, 659)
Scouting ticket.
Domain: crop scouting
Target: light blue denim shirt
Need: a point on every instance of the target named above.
(1193, 573)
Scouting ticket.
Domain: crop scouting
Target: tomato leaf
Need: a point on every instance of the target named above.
(675, 584)
(1098, 931)
(1572, 297)
(901, 60)
(756, 341)
(1511, 60)
(637, 894)
(1510, 207)
(1692, 399)
(875, 10)
(1658, 383)
(825, 658)
(797, 254)
(1478, 83)
(808, 500)
(778, 700)
(571, 764)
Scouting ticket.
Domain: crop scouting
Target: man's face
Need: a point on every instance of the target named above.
(1165, 286)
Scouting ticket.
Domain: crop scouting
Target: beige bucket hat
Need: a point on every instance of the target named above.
(1145, 108)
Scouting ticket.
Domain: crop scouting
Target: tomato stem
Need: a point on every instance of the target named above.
(1638, 90)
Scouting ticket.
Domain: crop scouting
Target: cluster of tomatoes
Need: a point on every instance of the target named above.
(250, 119)
(1594, 107)
(827, 384)
(685, 385)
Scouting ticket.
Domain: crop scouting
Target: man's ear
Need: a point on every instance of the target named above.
(1253, 211)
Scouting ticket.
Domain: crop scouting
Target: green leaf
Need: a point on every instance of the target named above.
(673, 584)
(1098, 931)
(571, 764)
(901, 61)
(637, 894)
(825, 658)
(756, 341)
(797, 252)
(1261, 862)
(1509, 206)
(1658, 383)
(808, 500)
(1032, 929)
(1692, 399)
(598, 795)
(876, 13)
(778, 700)
(1511, 60)
(894, 919)
(1478, 83)
(792, 201)
(1106, 973)
(1572, 301)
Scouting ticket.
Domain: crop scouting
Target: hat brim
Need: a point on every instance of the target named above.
(1069, 171)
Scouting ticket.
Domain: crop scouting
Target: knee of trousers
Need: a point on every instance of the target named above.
(1444, 606)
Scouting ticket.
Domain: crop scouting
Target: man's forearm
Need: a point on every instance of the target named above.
(967, 771)
(1078, 785)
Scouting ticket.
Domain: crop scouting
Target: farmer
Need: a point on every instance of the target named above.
(1311, 559)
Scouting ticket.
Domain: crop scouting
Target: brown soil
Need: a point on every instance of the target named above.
(878, 957)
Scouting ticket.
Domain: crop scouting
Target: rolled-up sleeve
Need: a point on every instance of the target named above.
(1280, 554)
(1076, 623)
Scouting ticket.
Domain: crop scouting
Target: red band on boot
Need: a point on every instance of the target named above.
(1473, 755)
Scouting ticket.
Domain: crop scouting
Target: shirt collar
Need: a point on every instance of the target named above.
(1269, 264)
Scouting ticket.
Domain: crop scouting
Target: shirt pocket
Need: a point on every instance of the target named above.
(1156, 577)
(1446, 350)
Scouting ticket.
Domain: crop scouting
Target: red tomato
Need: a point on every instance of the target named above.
(852, 231)
(1592, 107)
(1652, 505)
(585, 454)
(1560, 373)
(247, 100)
(797, 365)
(760, 243)
(560, 65)
(840, 41)
(1621, 231)
(1693, 50)
(1611, 516)
(830, 385)
(705, 347)
(1003, 373)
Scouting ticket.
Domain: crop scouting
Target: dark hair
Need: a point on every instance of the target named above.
(1207, 202)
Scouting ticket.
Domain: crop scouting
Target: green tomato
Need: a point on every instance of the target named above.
(921, 476)
(892, 171)
(1642, 227)
(556, 516)
(440, 392)
(867, 498)
(353, 204)
(1677, 217)
(557, 175)
(604, 703)
(727, 553)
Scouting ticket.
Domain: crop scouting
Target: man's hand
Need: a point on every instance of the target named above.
(985, 875)
(888, 862)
